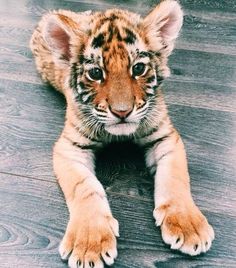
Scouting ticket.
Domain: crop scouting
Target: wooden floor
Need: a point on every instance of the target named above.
(201, 95)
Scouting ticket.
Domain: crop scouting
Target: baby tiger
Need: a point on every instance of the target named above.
(110, 67)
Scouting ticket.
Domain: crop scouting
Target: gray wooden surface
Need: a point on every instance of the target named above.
(201, 95)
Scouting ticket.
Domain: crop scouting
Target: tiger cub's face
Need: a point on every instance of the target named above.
(118, 61)
(117, 74)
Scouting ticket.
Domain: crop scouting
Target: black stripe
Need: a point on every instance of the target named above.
(131, 37)
(149, 133)
(73, 77)
(113, 17)
(106, 48)
(91, 139)
(89, 61)
(169, 152)
(150, 94)
(105, 19)
(110, 30)
(155, 87)
(101, 115)
(98, 41)
(90, 96)
(144, 54)
(86, 146)
(82, 85)
(86, 90)
(83, 59)
(119, 38)
(157, 53)
(151, 79)
(82, 146)
(91, 195)
(150, 144)
(159, 79)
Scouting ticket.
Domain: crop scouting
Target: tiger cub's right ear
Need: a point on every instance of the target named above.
(60, 32)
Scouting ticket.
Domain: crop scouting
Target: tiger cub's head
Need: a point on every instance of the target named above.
(117, 61)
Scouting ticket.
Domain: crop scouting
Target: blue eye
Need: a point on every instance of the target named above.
(138, 69)
(95, 74)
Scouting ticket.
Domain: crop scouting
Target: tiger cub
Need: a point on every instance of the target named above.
(110, 66)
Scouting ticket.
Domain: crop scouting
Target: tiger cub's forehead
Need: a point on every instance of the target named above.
(115, 38)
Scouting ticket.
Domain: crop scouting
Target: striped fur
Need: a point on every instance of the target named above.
(110, 67)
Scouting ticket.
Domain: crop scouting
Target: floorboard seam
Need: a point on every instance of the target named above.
(55, 182)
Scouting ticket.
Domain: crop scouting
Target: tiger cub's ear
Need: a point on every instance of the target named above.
(162, 25)
(59, 32)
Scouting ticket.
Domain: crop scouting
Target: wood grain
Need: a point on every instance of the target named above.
(30, 232)
(201, 97)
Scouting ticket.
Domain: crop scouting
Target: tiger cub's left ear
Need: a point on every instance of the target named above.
(162, 25)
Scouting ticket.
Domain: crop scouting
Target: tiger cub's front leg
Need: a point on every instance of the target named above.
(183, 226)
(91, 231)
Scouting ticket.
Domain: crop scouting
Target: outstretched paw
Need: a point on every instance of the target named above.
(184, 228)
(89, 241)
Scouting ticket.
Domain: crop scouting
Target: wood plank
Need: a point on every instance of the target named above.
(202, 67)
(209, 32)
(200, 95)
(203, 30)
(30, 233)
(32, 118)
(208, 6)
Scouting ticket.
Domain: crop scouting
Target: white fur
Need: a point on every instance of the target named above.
(121, 129)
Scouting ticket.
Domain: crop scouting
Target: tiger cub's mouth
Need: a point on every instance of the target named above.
(121, 128)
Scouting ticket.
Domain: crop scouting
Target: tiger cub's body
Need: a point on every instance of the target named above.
(110, 67)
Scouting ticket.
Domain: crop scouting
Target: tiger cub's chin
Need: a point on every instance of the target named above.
(121, 129)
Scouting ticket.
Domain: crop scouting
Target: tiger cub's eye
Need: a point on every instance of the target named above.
(95, 74)
(138, 69)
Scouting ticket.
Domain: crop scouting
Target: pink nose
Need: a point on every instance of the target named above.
(122, 114)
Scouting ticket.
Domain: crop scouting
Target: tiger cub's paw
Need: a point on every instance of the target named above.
(184, 228)
(90, 241)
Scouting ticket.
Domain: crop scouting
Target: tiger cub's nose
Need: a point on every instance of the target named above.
(122, 113)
